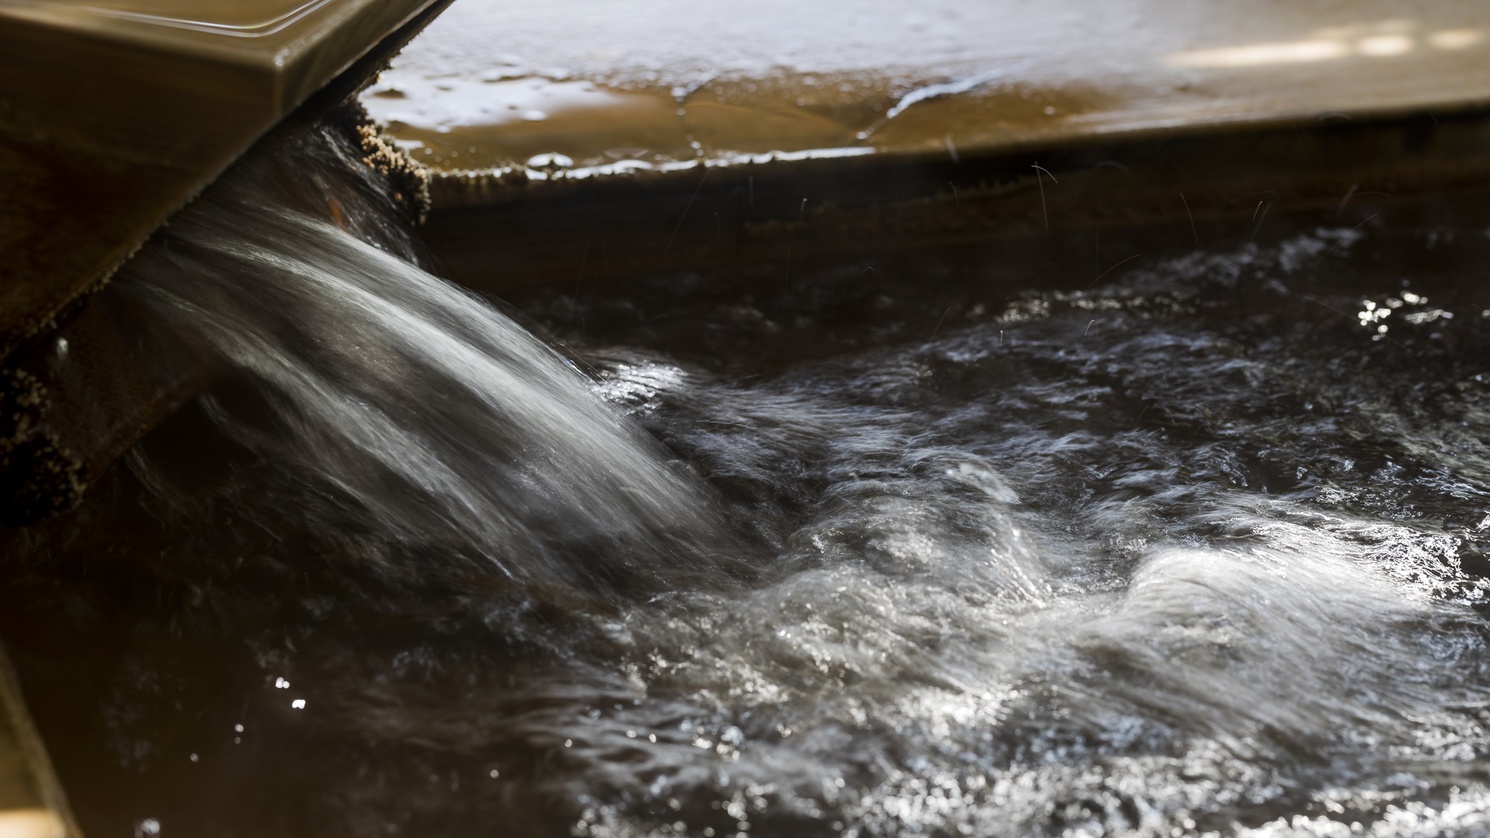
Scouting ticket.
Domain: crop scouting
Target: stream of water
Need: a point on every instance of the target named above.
(932, 549)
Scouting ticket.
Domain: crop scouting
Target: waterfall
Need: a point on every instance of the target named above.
(403, 405)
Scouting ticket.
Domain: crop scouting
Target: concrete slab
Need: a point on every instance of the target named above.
(603, 87)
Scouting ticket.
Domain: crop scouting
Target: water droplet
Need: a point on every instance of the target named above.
(551, 160)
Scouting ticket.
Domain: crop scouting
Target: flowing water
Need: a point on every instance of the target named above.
(936, 548)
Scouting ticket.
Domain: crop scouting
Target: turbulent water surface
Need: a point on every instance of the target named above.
(949, 546)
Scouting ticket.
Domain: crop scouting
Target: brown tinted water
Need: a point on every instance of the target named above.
(947, 543)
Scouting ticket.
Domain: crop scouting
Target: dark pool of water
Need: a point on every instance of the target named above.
(1200, 547)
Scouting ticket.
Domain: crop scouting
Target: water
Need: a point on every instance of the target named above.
(396, 401)
(932, 549)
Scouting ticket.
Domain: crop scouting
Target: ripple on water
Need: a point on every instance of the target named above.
(1190, 552)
